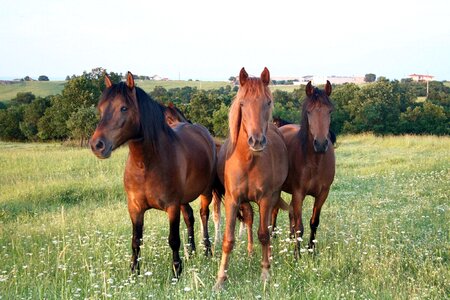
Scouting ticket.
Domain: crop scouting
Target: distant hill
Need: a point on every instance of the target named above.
(9, 89)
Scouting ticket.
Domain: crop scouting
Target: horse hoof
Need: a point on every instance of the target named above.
(208, 252)
(177, 268)
(265, 275)
(220, 283)
(135, 268)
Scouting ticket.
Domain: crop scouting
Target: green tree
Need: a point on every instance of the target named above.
(376, 109)
(43, 78)
(342, 98)
(9, 124)
(426, 118)
(52, 125)
(220, 121)
(370, 77)
(31, 115)
(23, 98)
(81, 123)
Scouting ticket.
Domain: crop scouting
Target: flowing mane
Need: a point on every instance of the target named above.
(318, 96)
(151, 114)
(253, 88)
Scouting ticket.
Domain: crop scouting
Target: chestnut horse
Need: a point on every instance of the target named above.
(167, 167)
(311, 160)
(252, 163)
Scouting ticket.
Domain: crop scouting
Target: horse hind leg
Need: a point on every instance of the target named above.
(247, 219)
(315, 218)
(217, 219)
(188, 216)
(204, 214)
(295, 217)
(265, 210)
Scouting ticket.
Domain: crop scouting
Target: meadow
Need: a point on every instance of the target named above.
(384, 232)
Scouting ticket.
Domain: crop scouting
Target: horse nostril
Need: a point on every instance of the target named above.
(251, 141)
(264, 141)
(99, 145)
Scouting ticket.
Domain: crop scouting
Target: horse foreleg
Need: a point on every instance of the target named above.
(174, 238)
(188, 216)
(315, 218)
(204, 214)
(295, 214)
(247, 215)
(137, 220)
(266, 206)
(231, 208)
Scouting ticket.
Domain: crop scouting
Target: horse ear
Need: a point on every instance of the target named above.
(265, 76)
(243, 77)
(328, 88)
(108, 82)
(309, 89)
(130, 80)
(171, 104)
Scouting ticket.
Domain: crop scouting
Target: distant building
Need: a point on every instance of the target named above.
(419, 77)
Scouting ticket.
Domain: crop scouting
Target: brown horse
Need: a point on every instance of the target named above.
(278, 121)
(174, 115)
(252, 163)
(166, 168)
(311, 160)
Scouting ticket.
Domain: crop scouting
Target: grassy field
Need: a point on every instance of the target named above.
(38, 88)
(384, 231)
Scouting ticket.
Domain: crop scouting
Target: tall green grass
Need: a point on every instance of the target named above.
(384, 232)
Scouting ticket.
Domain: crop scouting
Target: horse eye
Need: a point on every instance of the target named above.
(123, 109)
(241, 104)
(269, 103)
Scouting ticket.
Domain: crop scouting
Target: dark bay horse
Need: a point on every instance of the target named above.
(278, 121)
(252, 163)
(174, 115)
(167, 167)
(311, 160)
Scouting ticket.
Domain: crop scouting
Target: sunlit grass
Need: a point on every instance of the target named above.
(384, 231)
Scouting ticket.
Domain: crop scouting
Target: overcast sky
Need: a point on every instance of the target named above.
(212, 40)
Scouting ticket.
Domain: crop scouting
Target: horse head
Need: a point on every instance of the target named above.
(317, 109)
(119, 121)
(251, 110)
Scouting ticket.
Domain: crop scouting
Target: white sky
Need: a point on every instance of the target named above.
(212, 40)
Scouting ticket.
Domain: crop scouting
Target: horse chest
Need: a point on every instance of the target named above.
(151, 189)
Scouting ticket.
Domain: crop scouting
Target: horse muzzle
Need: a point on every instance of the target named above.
(101, 148)
(320, 146)
(257, 143)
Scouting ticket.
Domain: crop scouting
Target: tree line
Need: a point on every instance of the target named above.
(382, 107)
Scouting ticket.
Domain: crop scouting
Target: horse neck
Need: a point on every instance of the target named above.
(142, 152)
